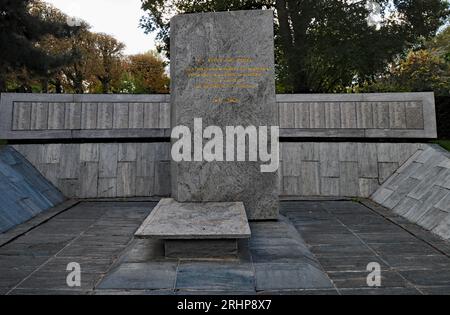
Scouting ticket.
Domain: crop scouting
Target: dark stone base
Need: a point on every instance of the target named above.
(226, 248)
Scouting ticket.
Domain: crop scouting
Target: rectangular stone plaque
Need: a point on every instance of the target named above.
(171, 220)
(222, 71)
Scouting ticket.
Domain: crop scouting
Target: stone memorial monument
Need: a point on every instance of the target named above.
(223, 88)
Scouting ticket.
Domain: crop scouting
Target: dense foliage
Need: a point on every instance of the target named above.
(324, 45)
(20, 30)
(44, 50)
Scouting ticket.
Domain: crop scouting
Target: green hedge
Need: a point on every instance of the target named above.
(443, 116)
(444, 143)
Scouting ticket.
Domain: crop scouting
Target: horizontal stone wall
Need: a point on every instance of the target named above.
(319, 168)
(51, 116)
(96, 170)
(103, 170)
(420, 190)
(390, 115)
(340, 169)
(62, 116)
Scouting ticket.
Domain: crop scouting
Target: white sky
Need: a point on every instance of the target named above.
(119, 18)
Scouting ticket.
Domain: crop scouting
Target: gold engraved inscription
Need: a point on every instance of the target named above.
(226, 73)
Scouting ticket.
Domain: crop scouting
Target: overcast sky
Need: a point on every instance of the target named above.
(119, 18)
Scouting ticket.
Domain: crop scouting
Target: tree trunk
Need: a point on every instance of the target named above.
(58, 88)
(300, 17)
(283, 20)
(288, 13)
(44, 83)
(79, 89)
(105, 86)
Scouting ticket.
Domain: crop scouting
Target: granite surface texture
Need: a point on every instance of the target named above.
(24, 192)
(420, 190)
(207, 220)
(226, 80)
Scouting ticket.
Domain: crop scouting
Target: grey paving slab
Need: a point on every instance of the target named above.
(386, 238)
(91, 251)
(353, 279)
(278, 254)
(291, 276)
(333, 239)
(89, 266)
(350, 264)
(437, 277)
(417, 262)
(436, 290)
(52, 292)
(215, 277)
(299, 292)
(144, 276)
(58, 281)
(407, 249)
(407, 264)
(381, 291)
(135, 292)
(341, 250)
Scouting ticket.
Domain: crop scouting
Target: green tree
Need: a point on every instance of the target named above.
(424, 69)
(79, 74)
(441, 43)
(20, 32)
(53, 79)
(323, 45)
(147, 73)
(108, 54)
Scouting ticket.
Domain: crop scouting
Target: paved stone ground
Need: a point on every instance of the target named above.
(343, 236)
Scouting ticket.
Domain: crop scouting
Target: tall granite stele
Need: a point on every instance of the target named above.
(244, 95)
(222, 71)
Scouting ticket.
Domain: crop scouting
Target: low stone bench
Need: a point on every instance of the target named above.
(197, 230)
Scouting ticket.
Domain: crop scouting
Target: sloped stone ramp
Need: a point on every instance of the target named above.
(420, 190)
(24, 192)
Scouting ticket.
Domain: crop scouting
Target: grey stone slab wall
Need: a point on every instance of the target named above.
(226, 80)
(389, 115)
(308, 169)
(340, 169)
(53, 116)
(420, 190)
(64, 116)
(100, 170)
(24, 192)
